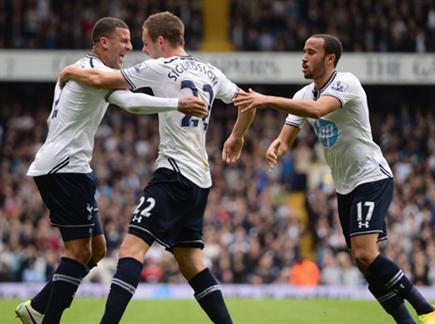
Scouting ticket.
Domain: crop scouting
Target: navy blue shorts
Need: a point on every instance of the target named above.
(70, 197)
(170, 211)
(363, 210)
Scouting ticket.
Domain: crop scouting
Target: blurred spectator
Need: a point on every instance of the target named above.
(331, 272)
(304, 273)
(151, 271)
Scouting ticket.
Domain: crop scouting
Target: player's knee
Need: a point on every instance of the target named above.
(128, 249)
(133, 247)
(190, 270)
(82, 255)
(185, 264)
(190, 262)
(85, 255)
(363, 258)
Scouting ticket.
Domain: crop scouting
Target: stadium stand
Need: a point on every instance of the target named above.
(282, 25)
(50, 24)
(362, 26)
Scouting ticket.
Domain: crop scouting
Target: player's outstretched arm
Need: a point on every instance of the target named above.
(233, 145)
(94, 77)
(299, 107)
(252, 100)
(281, 145)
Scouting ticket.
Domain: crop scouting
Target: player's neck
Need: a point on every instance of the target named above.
(100, 55)
(179, 51)
(322, 80)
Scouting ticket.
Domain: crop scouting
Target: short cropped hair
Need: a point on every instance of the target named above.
(332, 45)
(105, 27)
(168, 26)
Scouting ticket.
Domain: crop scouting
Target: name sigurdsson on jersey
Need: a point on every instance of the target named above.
(192, 65)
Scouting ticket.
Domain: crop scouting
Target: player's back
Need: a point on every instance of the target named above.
(182, 137)
(76, 112)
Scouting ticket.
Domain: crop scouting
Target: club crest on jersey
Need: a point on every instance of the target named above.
(339, 86)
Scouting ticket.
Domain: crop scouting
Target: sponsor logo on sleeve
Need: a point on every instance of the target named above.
(140, 66)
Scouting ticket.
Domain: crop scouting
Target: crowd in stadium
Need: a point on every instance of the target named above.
(279, 25)
(49, 24)
(252, 234)
(363, 26)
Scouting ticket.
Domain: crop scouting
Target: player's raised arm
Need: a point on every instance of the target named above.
(94, 77)
(299, 107)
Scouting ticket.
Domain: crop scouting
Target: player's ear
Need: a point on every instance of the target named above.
(104, 41)
(331, 58)
(161, 40)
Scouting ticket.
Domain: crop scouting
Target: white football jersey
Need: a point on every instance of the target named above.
(345, 134)
(182, 137)
(75, 115)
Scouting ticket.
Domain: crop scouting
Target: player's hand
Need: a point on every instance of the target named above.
(232, 149)
(276, 149)
(250, 100)
(192, 106)
(65, 75)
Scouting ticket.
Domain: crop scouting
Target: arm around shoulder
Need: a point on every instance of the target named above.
(95, 77)
(140, 103)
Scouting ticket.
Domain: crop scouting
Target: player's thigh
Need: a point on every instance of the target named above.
(364, 249)
(344, 204)
(155, 217)
(98, 239)
(370, 203)
(70, 199)
(188, 244)
(160, 209)
(190, 225)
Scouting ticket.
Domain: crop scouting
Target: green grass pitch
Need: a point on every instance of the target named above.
(244, 311)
